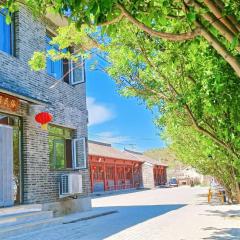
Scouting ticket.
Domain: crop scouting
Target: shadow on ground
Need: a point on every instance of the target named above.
(225, 214)
(104, 226)
(101, 227)
(223, 234)
(126, 217)
(113, 193)
(202, 195)
(202, 199)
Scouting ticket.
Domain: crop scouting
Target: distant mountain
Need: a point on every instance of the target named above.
(164, 155)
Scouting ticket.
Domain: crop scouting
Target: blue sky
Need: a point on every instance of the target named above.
(124, 122)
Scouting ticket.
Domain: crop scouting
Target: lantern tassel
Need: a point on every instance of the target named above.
(44, 126)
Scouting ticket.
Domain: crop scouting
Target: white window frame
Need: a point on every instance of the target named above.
(74, 155)
(72, 73)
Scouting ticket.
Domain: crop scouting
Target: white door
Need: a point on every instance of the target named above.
(6, 166)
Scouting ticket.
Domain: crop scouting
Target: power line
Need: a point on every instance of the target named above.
(129, 144)
(135, 138)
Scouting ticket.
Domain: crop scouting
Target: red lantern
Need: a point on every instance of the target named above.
(43, 118)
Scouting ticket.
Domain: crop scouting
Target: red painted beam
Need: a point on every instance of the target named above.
(124, 173)
(133, 177)
(104, 177)
(115, 176)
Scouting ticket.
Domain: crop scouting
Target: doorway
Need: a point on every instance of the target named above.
(15, 123)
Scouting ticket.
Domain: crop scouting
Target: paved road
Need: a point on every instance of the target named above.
(162, 214)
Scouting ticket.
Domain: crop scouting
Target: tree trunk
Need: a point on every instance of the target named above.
(213, 7)
(217, 21)
(221, 50)
(237, 191)
(235, 184)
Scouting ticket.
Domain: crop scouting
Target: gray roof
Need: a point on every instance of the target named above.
(144, 158)
(96, 148)
(106, 150)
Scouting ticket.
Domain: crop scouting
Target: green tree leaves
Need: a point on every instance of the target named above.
(38, 61)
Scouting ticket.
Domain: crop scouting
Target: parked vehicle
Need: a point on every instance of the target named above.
(173, 182)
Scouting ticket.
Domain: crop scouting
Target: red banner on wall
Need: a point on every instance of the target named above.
(8, 102)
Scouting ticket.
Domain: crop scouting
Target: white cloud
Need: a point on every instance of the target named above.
(111, 137)
(97, 112)
(115, 139)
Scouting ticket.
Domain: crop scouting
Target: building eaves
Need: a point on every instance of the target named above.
(22, 93)
(106, 150)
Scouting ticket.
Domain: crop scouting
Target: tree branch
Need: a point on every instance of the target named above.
(113, 21)
(191, 79)
(208, 133)
(161, 95)
(154, 33)
(233, 62)
(203, 130)
(200, 30)
(218, 13)
(231, 18)
(217, 22)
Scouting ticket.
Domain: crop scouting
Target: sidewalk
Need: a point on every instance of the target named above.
(197, 220)
(161, 214)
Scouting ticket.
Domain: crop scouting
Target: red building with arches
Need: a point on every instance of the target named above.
(112, 169)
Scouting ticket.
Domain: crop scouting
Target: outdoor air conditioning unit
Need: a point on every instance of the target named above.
(70, 184)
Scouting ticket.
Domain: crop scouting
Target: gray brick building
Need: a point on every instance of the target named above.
(40, 157)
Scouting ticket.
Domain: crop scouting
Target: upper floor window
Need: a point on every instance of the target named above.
(78, 73)
(6, 34)
(54, 68)
(64, 69)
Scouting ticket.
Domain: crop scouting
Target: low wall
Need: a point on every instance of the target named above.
(68, 206)
(147, 175)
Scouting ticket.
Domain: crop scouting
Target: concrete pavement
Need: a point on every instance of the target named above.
(162, 214)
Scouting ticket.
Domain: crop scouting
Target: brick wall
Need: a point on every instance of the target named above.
(67, 104)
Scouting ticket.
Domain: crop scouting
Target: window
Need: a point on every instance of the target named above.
(54, 68)
(64, 69)
(66, 152)
(60, 147)
(78, 74)
(79, 153)
(6, 34)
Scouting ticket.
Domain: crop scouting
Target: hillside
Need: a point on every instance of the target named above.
(165, 156)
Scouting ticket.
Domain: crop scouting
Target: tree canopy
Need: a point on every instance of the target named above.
(166, 53)
(176, 20)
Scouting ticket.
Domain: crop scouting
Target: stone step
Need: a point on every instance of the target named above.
(20, 209)
(26, 217)
(29, 231)
(19, 229)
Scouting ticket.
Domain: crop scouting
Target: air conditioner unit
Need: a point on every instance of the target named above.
(70, 184)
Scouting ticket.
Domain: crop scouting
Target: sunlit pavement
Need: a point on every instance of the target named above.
(168, 214)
